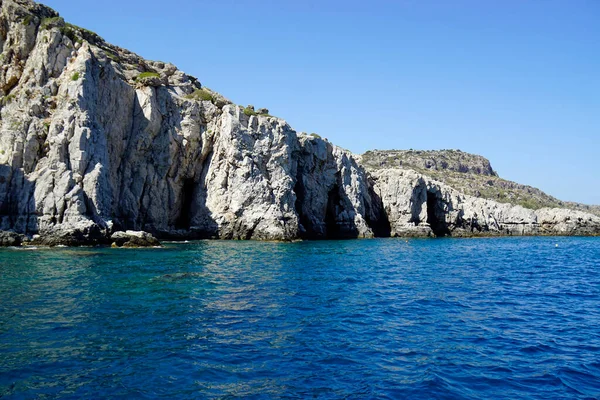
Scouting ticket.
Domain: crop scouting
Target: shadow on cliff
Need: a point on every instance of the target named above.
(436, 216)
(195, 219)
(177, 210)
(336, 219)
(322, 221)
(376, 216)
(17, 202)
(338, 225)
(192, 219)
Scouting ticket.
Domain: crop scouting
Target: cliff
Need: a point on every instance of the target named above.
(469, 174)
(95, 140)
(417, 205)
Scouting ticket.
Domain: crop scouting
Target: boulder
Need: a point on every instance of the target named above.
(133, 239)
(81, 234)
(10, 239)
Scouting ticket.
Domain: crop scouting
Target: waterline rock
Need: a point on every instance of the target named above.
(133, 239)
(9, 239)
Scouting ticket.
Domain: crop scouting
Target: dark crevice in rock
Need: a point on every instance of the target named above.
(90, 210)
(437, 224)
(17, 200)
(188, 191)
(306, 229)
(203, 226)
(333, 200)
(141, 210)
(250, 231)
(339, 223)
(376, 216)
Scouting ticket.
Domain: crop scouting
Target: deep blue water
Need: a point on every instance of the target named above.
(447, 318)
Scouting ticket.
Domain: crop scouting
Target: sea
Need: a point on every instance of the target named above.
(485, 318)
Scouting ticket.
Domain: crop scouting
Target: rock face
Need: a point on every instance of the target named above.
(95, 140)
(470, 174)
(419, 206)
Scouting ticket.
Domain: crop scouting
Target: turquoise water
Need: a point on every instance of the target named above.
(445, 318)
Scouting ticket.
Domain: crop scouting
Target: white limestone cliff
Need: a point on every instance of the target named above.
(417, 205)
(94, 139)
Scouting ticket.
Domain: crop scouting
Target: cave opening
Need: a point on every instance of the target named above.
(333, 200)
(308, 231)
(376, 215)
(187, 201)
(438, 226)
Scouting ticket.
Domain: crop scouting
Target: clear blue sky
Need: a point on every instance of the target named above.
(516, 81)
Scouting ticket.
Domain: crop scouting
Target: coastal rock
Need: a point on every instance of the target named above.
(95, 139)
(561, 221)
(83, 233)
(9, 239)
(106, 152)
(246, 190)
(419, 206)
(469, 174)
(332, 192)
(133, 239)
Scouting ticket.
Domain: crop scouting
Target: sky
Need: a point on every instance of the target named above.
(517, 81)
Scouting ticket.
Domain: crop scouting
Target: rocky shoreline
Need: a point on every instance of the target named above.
(127, 239)
(95, 141)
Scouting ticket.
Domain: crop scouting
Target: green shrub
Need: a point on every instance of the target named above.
(73, 31)
(315, 135)
(70, 33)
(27, 20)
(113, 56)
(144, 75)
(249, 112)
(83, 30)
(7, 99)
(200, 95)
(529, 203)
(48, 23)
(75, 76)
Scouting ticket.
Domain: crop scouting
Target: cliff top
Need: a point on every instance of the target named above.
(435, 160)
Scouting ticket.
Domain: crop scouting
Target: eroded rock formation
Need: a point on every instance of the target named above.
(416, 205)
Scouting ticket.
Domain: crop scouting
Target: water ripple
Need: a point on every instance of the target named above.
(472, 319)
